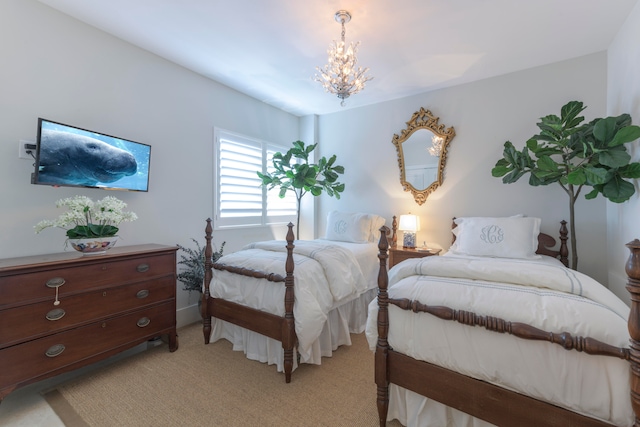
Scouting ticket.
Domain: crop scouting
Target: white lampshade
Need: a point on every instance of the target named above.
(409, 223)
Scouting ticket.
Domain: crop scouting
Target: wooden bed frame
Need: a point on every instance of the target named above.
(480, 399)
(280, 328)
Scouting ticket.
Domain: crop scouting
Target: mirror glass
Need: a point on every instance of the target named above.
(422, 153)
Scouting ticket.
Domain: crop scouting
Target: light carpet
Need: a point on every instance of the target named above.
(212, 385)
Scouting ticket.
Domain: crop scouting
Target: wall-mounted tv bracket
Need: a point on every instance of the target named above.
(27, 150)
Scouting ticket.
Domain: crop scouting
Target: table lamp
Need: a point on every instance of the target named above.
(409, 224)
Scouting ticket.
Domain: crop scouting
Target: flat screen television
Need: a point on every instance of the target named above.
(73, 157)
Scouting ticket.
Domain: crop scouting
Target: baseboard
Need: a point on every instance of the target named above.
(188, 315)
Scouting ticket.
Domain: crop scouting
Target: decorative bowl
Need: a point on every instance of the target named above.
(93, 246)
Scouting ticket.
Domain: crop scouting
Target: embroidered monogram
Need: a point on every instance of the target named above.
(340, 227)
(492, 234)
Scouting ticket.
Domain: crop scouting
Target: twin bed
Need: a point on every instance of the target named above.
(301, 319)
(552, 349)
(494, 334)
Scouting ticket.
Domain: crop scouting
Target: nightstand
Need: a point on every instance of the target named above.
(399, 254)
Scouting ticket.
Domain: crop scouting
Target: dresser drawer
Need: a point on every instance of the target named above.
(39, 285)
(56, 351)
(35, 320)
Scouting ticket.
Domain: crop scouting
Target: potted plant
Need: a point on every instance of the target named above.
(576, 155)
(294, 172)
(192, 275)
(91, 227)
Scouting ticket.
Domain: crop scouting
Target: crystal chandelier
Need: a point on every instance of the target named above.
(340, 76)
(436, 145)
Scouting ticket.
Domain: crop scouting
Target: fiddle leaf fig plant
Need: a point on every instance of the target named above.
(575, 156)
(293, 172)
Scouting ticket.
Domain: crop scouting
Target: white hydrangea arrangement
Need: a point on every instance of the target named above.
(88, 219)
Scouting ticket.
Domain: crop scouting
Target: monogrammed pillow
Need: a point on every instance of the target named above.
(348, 227)
(512, 237)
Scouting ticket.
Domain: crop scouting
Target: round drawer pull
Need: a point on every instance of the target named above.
(55, 350)
(144, 321)
(55, 314)
(142, 268)
(55, 282)
(142, 294)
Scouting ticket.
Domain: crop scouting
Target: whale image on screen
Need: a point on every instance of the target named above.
(70, 156)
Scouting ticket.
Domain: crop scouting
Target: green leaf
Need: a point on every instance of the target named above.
(577, 177)
(501, 168)
(509, 152)
(595, 175)
(618, 190)
(513, 176)
(614, 158)
(298, 145)
(605, 129)
(532, 144)
(624, 135)
(546, 163)
(632, 170)
(592, 194)
(535, 180)
(569, 113)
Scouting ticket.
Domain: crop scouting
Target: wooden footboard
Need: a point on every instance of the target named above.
(481, 399)
(270, 325)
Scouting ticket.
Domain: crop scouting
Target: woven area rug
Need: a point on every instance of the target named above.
(212, 385)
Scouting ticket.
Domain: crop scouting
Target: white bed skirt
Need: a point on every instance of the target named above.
(348, 318)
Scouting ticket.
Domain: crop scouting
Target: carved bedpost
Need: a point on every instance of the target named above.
(453, 225)
(394, 229)
(382, 346)
(208, 274)
(289, 339)
(633, 286)
(564, 250)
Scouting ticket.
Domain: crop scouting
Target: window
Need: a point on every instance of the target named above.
(241, 200)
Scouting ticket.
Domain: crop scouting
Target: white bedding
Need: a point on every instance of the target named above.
(333, 283)
(537, 292)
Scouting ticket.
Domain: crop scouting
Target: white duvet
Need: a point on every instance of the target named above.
(325, 275)
(543, 294)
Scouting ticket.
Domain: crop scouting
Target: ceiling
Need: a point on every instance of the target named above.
(269, 49)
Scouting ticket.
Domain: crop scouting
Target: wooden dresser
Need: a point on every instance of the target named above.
(62, 311)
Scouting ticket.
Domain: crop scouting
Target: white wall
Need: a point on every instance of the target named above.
(623, 223)
(58, 68)
(484, 114)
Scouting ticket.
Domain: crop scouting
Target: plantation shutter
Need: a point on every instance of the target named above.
(278, 210)
(241, 199)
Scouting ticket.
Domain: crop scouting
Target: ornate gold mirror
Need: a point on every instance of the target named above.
(422, 154)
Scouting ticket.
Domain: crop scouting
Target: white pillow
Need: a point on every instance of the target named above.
(348, 227)
(513, 237)
(376, 223)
